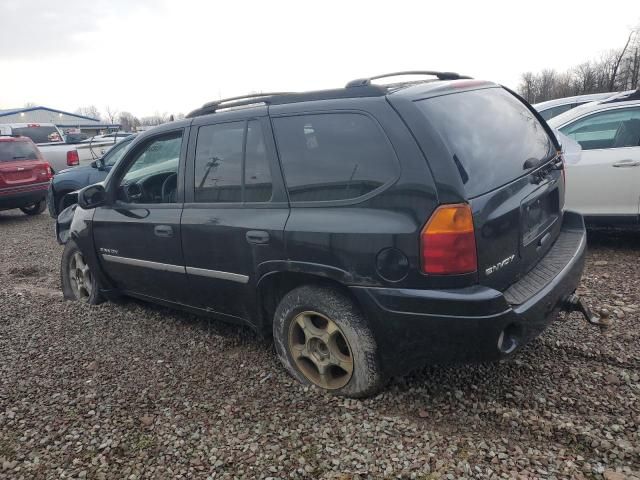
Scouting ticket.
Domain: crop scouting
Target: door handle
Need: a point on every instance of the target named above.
(257, 236)
(627, 163)
(163, 231)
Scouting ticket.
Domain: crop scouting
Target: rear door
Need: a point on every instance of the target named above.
(510, 173)
(235, 211)
(606, 181)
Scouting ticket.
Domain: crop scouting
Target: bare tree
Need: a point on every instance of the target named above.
(618, 61)
(156, 119)
(528, 87)
(128, 121)
(89, 111)
(615, 70)
(547, 84)
(111, 114)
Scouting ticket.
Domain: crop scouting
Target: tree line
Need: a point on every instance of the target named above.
(128, 122)
(616, 70)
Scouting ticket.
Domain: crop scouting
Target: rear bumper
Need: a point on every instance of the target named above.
(413, 327)
(22, 197)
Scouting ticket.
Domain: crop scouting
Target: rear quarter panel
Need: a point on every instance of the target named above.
(344, 240)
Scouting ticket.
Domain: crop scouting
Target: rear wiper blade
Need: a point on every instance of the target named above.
(535, 162)
(18, 158)
(531, 163)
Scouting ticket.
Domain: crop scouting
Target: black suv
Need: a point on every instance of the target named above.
(369, 229)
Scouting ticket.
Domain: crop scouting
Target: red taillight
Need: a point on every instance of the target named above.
(448, 242)
(49, 172)
(72, 158)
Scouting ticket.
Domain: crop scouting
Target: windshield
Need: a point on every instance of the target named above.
(115, 153)
(17, 150)
(140, 172)
(39, 134)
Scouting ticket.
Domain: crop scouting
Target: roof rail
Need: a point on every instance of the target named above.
(361, 82)
(231, 102)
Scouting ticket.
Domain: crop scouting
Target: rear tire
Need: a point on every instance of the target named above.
(322, 339)
(78, 282)
(34, 209)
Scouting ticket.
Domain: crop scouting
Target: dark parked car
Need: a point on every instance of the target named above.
(24, 175)
(369, 229)
(72, 179)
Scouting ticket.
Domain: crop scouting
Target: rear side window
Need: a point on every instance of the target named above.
(39, 134)
(490, 134)
(16, 150)
(219, 163)
(549, 113)
(232, 164)
(333, 156)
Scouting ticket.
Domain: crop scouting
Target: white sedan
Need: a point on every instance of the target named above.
(604, 185)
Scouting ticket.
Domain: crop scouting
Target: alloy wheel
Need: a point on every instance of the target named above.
(320, 350)
(80, 277)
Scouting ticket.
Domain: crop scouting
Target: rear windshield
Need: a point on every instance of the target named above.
(12, 151)
(490, 134)
(39, 134)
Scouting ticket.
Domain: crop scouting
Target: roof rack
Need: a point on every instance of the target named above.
(361, 82)
(231, 102)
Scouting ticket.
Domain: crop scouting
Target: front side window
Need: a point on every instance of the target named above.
(333, 156)
(232, 164)
(152, 176)
(612, 129)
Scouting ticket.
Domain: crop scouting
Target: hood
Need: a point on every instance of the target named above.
(84, 168)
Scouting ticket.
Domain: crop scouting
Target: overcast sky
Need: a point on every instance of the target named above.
(147, 56)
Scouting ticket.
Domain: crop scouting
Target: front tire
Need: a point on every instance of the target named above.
(322, 339)
(78, 281)
(34, 209)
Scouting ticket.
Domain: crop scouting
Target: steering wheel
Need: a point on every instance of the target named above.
(169, 187)
(134, 192)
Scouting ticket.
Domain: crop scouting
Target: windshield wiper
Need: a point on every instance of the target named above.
(19, 157)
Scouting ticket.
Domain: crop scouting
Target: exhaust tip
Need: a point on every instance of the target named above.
(509, 339)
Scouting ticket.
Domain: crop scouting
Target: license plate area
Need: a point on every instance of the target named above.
(539, 212)
(17, 175)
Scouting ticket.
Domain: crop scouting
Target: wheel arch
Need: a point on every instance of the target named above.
(275, 284)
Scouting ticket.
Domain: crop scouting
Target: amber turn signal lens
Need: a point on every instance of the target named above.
(448, 243)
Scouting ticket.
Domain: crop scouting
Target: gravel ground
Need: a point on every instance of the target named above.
(135, 391)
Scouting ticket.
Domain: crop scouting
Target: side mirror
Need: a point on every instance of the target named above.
(92, 196)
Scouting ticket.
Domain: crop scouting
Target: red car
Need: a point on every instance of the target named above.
(24, 176)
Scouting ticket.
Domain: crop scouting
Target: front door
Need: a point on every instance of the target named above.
(235, 212)
(138, 234)
(606, 180)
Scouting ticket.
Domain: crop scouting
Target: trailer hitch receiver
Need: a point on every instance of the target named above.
(573, 303)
